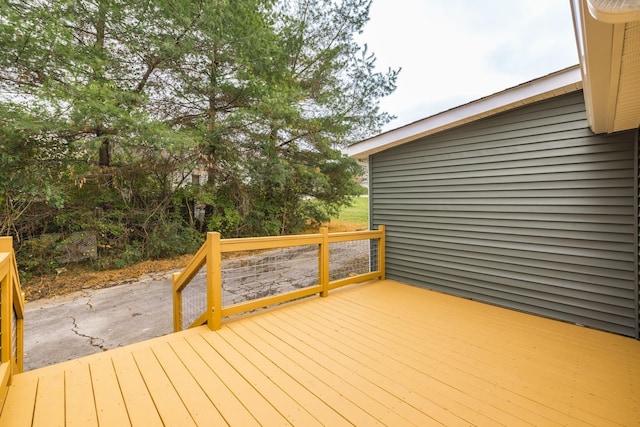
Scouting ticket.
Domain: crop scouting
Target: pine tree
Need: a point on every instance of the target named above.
(107, 106)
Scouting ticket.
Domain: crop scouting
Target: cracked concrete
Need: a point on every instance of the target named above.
(92, 340)
(94, 320)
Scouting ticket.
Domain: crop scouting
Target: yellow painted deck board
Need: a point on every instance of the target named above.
(393, 367)
(244, 391)
(359, 368)
(407, 382)
(197, 403)
(110, 406)
(381, 353)
(79, 411)
(412, 365)
(278, 353)
(324, 413)
(595, 396)
(18, 406)
(167, 400)
(518, 334)
(295, 413)
(140, 407)
(354, 388)
(498, 367)
(231, 409)
(49, 404)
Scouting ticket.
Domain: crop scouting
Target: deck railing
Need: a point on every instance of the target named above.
(242, 275)
(11, 316)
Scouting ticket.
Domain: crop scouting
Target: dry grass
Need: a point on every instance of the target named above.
(337, 226)
(77, 277)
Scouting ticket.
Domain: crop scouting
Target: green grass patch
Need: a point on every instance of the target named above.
(358, 213)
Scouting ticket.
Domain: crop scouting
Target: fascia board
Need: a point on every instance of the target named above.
(601, 45)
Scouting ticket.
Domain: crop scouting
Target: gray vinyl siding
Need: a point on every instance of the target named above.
(527, 209)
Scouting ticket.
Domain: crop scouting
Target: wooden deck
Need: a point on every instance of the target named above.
(382, 353)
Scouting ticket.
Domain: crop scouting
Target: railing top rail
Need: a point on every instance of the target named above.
(192, 268)
(355, 235)
(7, 263)
(270, 242)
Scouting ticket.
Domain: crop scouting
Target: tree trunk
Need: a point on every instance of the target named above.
(213, 87)
(104, 152)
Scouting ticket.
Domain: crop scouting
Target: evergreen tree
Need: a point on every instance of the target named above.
(108, 106)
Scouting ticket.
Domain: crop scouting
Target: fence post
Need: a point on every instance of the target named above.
(6, 244)
(381, 251)
(6, 307)
(323, 266)
(214, 281)
(177, 304)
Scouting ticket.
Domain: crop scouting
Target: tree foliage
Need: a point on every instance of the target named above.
(148, 121)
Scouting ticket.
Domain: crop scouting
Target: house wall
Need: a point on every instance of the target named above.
(527, 209)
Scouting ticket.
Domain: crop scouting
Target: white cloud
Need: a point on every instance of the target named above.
(455, 51)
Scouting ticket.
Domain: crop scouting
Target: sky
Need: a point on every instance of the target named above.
(455, 51)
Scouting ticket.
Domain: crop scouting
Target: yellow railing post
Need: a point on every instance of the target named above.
(177, 304)
(323, 265)
(6, 305)
(11, 311)
(6, 244)
(381, 251)
(214, 281)
(6, 369)
(6, 318)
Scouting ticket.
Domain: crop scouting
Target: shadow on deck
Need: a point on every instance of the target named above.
(381, 353)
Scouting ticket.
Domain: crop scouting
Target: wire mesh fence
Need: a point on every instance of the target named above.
(194, 299)
(352, 258)
(249, 276)
(14, 335)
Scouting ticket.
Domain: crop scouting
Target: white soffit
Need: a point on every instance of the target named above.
(608, 37)
(558, 83)
(614, 11)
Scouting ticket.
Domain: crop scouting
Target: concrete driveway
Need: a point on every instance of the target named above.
(94, 320)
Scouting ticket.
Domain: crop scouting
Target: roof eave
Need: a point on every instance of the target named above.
(558, 83)
(595, 41)
(614, 12)
(600, 28)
